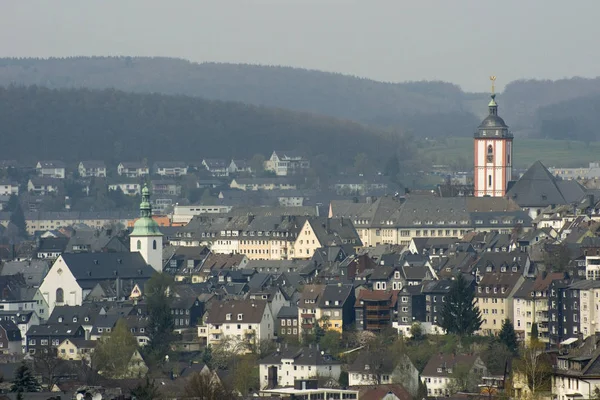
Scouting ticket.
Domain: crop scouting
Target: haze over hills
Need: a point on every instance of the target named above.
(423, 109)
(78, 124)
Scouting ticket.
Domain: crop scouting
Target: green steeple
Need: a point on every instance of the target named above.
(145, 225)
(492, 102)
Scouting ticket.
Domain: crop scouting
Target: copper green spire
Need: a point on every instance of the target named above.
(145, 225)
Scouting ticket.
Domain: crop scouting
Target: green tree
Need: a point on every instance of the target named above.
(207, 356)
(416, 332)
(392, 167)
(460, 315)
(536, 366)
(557, 257)
(146, 391)
(508, 336)
(24, 381)
(331, 342)
(160, 324)
(246, 375)
(257, 164)
(17, 217)
(114, 350)
(534, 332)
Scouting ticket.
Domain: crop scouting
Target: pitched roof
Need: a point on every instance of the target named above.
(52, 164)
(539, 188)
(335, 293)
(445, 362)
(251, 310)
(300, 355)
(380, 392)
(93, 164)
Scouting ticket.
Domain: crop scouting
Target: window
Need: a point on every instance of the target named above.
(490, 154)
(60, 295)
(139, 244)
(154, 245)
(489, 180)
(240, 317)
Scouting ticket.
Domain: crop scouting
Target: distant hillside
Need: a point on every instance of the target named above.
(423, 109)
(420, 108)
(75, 124)
(576, 119)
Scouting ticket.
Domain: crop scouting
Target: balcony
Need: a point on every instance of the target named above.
(307, 316)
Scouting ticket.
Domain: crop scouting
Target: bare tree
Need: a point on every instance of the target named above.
(535, 367)
(206, 387)
(50, 366)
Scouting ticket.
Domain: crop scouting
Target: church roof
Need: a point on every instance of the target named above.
(145, 225)
(493, 126)
(539, 188)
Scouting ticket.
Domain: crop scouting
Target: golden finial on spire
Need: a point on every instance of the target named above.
(493, 79)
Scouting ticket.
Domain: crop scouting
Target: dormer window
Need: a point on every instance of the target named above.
(479, 289)
(487, 289)
(514, 269)
(228, 317)
(367, 367)
(449, 370)
(503, 269)
(60, 319)
(326, 302)
(488, 269)
(495, 290)
(240, 317)
(439, 370)
(74, 319)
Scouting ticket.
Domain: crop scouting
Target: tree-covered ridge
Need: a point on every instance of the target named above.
(78, 124)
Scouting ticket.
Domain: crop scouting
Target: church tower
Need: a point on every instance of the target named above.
(146, 238)
(493, 153)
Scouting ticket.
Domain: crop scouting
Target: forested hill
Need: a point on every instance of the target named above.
(75, 124)
(420, 108)
(576, 119)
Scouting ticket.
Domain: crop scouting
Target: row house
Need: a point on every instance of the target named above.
(577, 371)
(287, 322)
(394, 220)
(324, 232)
(132, 169)
(9, 188)
(254, 184)
(239, 323)
(531, 306)
(24, 320)
(92, 169)
(561, 324)
(47, 220)
(51, 169)
(170, 168)
(286, 163)
(422, 304)
(309, 312)
(495, 298)
(44, 338)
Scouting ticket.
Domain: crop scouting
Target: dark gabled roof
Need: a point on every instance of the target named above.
(133, 164)
(51, 244)
(52, 164)
(169, 164)
(445, 361)
(539, 188)
(382, 273)
(415, 273)
(12, 330)
(251, 310)
(19, 317)
(300, 355)
(93, 164)
(53, 330)
(335, 292)
(288, 312)
(43, 181)
(68, 313)
(94, 267)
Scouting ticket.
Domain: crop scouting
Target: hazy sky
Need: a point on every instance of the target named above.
(462, 41)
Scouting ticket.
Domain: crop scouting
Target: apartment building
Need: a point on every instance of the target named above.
(495, 298)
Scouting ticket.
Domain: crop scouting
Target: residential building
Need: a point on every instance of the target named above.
(186, 311)
(76, 349)
(51, 169)
(216, 167)
(289, 364)
(323, 232)
(17, 295)
(495, 299)
(89, 169)
(72, 276)
(439, 373)
(238, 166)
(184, 214)
(577, 371)
(375, 310)
(337, 306)
(170, 168)
(560, 318)
(9, 188)
(50, 248)
(286, 163)
(309, 313)
(128, 188)
(10, 338)
(238, 322)
(132, 169)
(46, 337)
(374, 369)
(24, 320)
(47, 220)
(254, 184)
(287, 322)
(166, 187)
(43, 186)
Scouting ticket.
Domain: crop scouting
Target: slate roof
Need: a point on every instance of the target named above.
(445, 361)
(90, 268)
(52, 245)
(300, 355)
(52, 164)
(380, 392)
(133, 164)
(288, 312)
(93, 164)
(252, 311)
(67, 313)
(335, 292)
(498, 281)
(539, 188)
(53, 330)
(44, 181)
(169, 164)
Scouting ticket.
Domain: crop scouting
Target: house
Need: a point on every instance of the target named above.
(290, 363)
(495, 299)
(242, 323)
(309, 313)
(170, 168)
(51, 169)
(76, 349)
(238, 166)
(186, 311)
(73, 276)
(128, 188)
(24, 320)
(89, 169)
(50, 248)
(385, 392)
(287, 322)
(337, 306)
(42, 186)
(166, 187)
(10, 338)
(33, 271)
(441, 369)
(323, 232)
(85, 315)
(370, 370)
(286, 163)
(375, 310)
(45, 337)
(17, 295)
(92, 241)
(132, 169)
(216, 167)
(577, 371)
(8, 188)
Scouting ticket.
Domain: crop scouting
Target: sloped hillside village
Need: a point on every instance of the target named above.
(270, 290)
